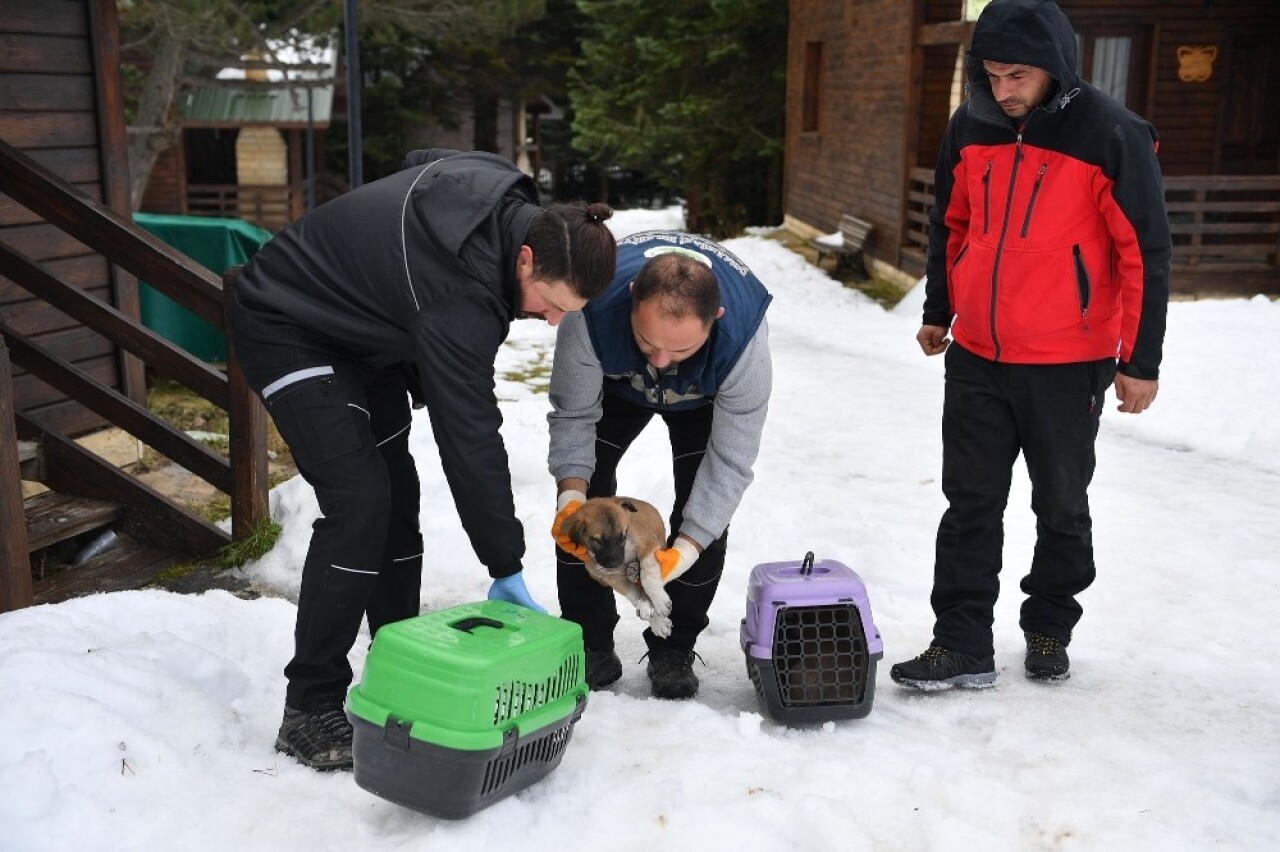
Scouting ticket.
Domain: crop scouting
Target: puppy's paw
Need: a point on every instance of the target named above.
(644, 608)
(661, 605)
(660, 625)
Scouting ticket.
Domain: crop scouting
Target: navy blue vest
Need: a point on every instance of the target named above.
(694, 381)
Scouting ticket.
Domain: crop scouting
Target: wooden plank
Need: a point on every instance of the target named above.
(15, 567)
(114, 148)
(42, 242)
(167, 358)
(12, 213)
(1260, 251)
(247, 418)
(149, 516)
(86, 272)
(34, 391)
(49, 17)
(112, 234)
(46, 93)
(52, 517)
(121, 411)
(128, 565)
(48, 129)
(23, 53)
(65, 417)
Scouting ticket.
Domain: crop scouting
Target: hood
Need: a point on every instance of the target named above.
(1025, 32)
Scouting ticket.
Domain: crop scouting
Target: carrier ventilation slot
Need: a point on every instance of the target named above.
(544, 749)
(515, 698)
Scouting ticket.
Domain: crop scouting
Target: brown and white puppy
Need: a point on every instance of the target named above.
(620, 535)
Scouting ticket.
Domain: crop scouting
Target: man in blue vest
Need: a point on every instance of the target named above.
(680, 333)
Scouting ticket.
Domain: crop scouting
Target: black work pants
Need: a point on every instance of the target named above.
(592, 605)
(991, 412)
(348, 431)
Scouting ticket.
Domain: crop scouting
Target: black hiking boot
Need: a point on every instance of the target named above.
(603, 668)
(1046, 658)
(938, 668)
(320, 739)
(671, 674)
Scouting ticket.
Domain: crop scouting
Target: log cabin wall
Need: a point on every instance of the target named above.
(60, 103)
(883, 97)
(1204, 124)
(844, 150)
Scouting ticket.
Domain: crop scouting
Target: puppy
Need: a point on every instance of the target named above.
(620, 535)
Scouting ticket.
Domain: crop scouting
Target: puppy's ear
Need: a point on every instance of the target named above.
(628, 505)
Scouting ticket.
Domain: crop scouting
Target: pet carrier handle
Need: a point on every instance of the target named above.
(466, 625)
(806, 567)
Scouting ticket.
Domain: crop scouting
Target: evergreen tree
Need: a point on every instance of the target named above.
(692, 92)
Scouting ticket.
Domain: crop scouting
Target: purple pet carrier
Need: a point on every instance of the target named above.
(810, 644)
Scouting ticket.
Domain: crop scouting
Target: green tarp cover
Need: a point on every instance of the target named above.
(217, 245)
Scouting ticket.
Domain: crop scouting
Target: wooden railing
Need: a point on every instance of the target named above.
(242, 474)
(1219, 223)
(270, 207)
(1229, 222)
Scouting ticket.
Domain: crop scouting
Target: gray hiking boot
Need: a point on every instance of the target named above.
(320, 738)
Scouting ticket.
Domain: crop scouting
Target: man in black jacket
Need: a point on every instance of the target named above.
(405, 286)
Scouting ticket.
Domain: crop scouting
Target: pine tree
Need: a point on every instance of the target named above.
(692, 92)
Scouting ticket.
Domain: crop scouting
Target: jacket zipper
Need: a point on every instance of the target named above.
(1082, 285)
(986, 196)
(1035, 190)
(1004, 229)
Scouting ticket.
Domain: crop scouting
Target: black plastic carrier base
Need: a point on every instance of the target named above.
(452, 783)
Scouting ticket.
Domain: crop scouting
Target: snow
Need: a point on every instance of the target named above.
(146, 720)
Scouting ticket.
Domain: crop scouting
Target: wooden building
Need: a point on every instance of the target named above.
(73, 354)
(251, 151)
(872, 83)
(60, 103)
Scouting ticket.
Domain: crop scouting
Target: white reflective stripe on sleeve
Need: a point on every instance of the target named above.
(294, 377)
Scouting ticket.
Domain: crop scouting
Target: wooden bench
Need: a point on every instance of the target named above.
(848, 254)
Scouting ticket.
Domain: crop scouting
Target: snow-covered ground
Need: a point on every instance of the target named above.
(145, 720)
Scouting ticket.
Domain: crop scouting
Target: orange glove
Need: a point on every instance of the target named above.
(566, 504)
(674, 561)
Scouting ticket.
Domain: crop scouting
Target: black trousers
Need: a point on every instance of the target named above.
(349, 434)
(991, 412)
(593, 606)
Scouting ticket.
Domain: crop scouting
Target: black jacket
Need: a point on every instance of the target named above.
(416, 268)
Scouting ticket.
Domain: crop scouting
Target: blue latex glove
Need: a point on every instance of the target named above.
(512, 589)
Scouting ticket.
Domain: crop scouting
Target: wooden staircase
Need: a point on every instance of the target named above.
(87, 494)
(60, 526)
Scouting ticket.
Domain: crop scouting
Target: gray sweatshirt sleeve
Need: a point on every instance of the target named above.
(737, 424)
(577, 394)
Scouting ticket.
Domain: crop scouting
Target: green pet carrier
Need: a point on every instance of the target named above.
(460, 708)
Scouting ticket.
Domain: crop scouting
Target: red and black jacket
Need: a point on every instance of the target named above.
(1049, 240)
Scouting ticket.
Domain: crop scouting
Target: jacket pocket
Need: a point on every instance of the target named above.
(1082, 284)
(986, 198)
(1031, 202)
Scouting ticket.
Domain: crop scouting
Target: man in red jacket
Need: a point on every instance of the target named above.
(1048, 263)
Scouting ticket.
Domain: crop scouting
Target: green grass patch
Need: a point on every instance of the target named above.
(253, 546)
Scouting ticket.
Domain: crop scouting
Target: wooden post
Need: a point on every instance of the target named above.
(248, 439)
(15, 564)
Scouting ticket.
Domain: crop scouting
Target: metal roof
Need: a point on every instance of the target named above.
(230, 107)
(310, 64)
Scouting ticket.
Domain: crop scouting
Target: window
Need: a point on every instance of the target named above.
(809, 116)
(1115, 60)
